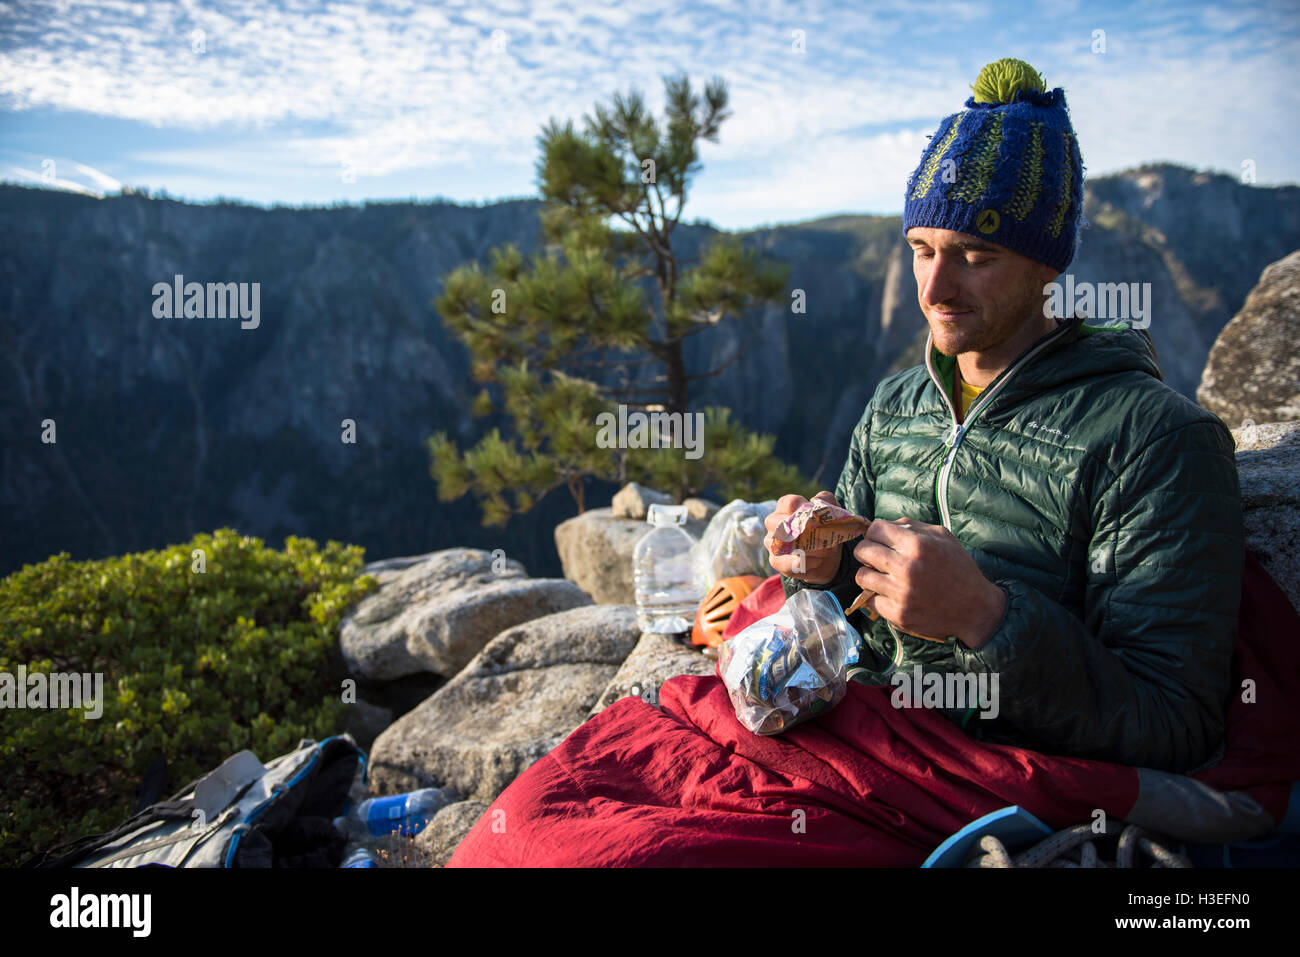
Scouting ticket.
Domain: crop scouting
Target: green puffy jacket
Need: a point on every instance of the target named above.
(1106, 505)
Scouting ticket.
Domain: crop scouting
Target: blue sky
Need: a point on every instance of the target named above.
(318, 102)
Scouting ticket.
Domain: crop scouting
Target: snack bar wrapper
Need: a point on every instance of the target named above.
(819, 524)
(790, 666)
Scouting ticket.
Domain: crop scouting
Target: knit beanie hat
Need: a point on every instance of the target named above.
(1007, 168)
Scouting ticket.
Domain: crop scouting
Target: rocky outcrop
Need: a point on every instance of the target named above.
(1268, 462)
(596, 552)
(633, 501)
(386, 569)
(1253, 375)
(451, 633)
(520, 697)
(655, 659)
(700, 509)
(436, 613)
(1195, 236)
(443, 834)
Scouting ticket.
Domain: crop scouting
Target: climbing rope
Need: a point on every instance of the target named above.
(1074, 847)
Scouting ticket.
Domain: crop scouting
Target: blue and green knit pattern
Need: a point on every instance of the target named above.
(1007, 169)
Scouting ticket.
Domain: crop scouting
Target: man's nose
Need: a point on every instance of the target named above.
(940, 284)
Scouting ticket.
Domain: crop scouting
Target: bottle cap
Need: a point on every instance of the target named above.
(659, 515)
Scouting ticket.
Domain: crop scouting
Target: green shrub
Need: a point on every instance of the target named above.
(197, 665)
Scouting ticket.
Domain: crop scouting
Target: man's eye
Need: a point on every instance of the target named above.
(922, 254)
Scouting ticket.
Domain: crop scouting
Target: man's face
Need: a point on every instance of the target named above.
(975, 294)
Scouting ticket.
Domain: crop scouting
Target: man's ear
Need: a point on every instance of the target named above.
(1045, 275)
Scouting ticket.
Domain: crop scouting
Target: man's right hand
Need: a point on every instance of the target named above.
(815, 567)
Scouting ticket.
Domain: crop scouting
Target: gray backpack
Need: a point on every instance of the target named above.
(242, 814)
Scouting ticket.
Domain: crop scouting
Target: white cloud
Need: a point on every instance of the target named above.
(395, 86)
(54, 182)
(838, 174)
(103, 181)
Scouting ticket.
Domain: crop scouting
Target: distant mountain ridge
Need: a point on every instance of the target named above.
(168, 427)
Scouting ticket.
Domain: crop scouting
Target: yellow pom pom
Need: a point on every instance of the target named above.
(999, 81)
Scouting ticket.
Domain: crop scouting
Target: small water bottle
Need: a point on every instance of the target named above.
(667, 594)
(361, 857)
(395, 814)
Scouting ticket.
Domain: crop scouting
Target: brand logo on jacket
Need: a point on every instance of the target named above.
(1041, 427)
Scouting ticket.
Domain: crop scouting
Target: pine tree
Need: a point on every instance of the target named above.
(572, 334)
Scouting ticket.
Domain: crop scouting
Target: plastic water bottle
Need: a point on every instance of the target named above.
(667, 594)
(361, 857)
(397, 813)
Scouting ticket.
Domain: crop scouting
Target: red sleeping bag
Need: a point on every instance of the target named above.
(865, 784)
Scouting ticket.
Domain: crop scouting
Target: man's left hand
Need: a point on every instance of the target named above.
(926, 583)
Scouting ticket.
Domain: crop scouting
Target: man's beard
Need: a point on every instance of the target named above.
(981, 332)
(954, 342)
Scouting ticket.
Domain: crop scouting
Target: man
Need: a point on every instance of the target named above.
(1041, 499)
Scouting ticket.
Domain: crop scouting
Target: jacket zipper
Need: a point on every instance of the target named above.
(959, 429)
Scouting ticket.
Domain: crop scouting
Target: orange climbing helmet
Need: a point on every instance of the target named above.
(719, 602)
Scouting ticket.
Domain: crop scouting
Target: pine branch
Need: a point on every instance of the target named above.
(621, 391)
(615, 364)
(738, 353)
(663, 212)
